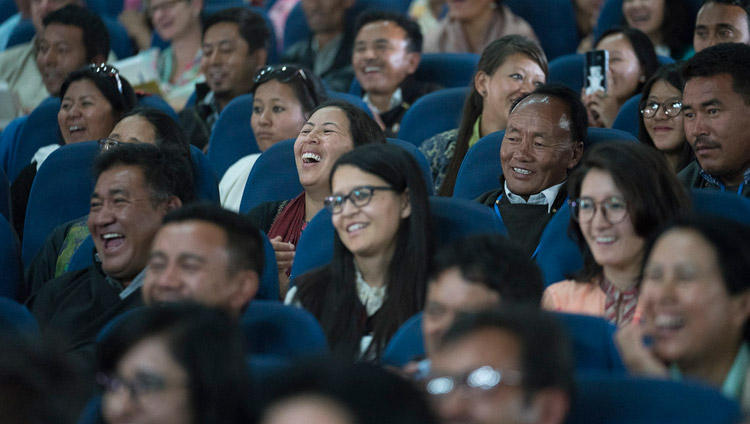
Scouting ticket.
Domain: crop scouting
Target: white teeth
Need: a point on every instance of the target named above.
(522, 171)
(311, 157)
(605, 239)
(669, 321)
(111, 236)
(372, 68)
(355, 227)
(74, 128)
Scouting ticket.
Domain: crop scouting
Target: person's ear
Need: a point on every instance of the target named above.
(741, 308)
(481, 83)
(405, 205)
(245, 287)
(548, 406)
(260, 57)
(413, 59)
(577, 154)
(173, 203)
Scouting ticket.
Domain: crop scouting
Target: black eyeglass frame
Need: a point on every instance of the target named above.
(649, 111)
(335, 203)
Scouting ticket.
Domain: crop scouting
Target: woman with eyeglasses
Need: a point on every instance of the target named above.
(174, 363)
(93, 100)
(620, 194)
(660, 120)
(283, 98)
(334, 128)
(382, 249)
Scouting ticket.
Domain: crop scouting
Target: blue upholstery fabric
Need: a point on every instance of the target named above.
(272, 328)
(558, 256)
(421, 160)
(11, 276)
(273, 177)
(350, 98)
(119, 40)
(558, 39)
(568, 70)
(232, 137)
(628, 116)
(40, 129)
(406, 344)
(720, 203)
(5, 209)
(206, 186)
(8, 8)
(9, 142)
(22, 33)
(432, 114)
(155, 101)
(15, 317)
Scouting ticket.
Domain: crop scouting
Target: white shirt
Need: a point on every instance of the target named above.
(546, 197)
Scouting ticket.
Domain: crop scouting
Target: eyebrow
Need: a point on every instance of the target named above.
(722, 25)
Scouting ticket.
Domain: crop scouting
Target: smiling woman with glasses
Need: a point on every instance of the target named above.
(620, 194)
(660, 119)
(382, 247)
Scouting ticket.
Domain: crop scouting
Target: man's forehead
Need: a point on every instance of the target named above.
(540, 111)
(491, 346)
(382, 30)
(121, 177)
(63, 32)
(714, 13)
(697, 88)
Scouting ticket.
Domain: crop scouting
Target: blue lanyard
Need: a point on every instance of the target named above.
(739, 191)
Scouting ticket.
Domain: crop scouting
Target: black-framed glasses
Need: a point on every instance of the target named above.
(480, 380)
(584, 208)
(139, 387)
(285, 73)
(671, 108)
(107, 143)
(108, 70)
(360, 196)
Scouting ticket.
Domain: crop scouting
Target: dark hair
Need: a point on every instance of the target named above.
(724, 58)
(307, 87)
(495, 262)
(168, 132)
(165, 171)
(251, 26)
(576, 108)
(330, 292)
(552, 366)
(671, 75)
(363, 129)
(651, 190)
(205, 342)
(95, 36)
(413, 33)
(244, 242)
(121, 102)
(643, 48)
(744, 4)
(493, 57)
(730, 241)
(368, 393)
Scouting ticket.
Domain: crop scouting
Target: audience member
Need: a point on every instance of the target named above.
(543, 141)
(334, 128)
(667, 23)
(382, 248)
(328, 50)
(235, 45)
(695, 297)
(660, 123)
(716, 105)
(632, 61)
(205, 254)
(136, 185)
(175, 364)
(387, 51)
(93, 100)
(513, 365)
(722, 21)
(471, 26)
(587, 13)
(284, 96)
(634, 192)
(510, 68)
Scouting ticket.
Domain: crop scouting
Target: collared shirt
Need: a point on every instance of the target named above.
(396, 99)
(735, 379)
(546, 197)
(717, 182)
(212, 108)
(124, 291)
(324, 57)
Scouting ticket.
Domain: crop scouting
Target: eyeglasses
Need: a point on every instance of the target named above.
(163, 6)
(108, 70)
(360, 196)
(614, 209)
(107, 143)
(478, 381)
(141, 386)
(670, 107)
(285, 73)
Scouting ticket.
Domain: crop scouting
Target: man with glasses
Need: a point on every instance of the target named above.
(235, 46)
(509, 366)
(543, 141)
(716, 110)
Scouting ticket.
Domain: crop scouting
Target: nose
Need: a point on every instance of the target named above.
(452, 407)
(661, 114)
(264, 118)
(117, 404)
(697, 126)
(522, 150)
(599, 219)
(527, 86)
(48, 57)
(103, 216)
(167, 278)
(349, 208)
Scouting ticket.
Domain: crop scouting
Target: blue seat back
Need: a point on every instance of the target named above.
(16, 317)
(5, 209)
(558, 256)
(108, 8)
(40, 129)
(720, 203)
(11, 276)
(273, 177)
(65, 181)
(119, 40)
(155, 101)
(611, 15)
(568, 70)
(206, 186)
(352, 99)
(629, 115)
(406, 344)
(424, 165)
(272, 328)
(23, 32)
(8, 8)
(232, 137)
(558, 39)
(432, 114)
(9, 142)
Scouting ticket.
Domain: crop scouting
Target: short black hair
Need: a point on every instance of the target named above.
(165, 171)
(95, 34)
(546, 350)
(169, 133)
(495, 262)
(576, 108)
(244, 242)
(413, 33)
(363, 129)
(724, 58)
(251, 26)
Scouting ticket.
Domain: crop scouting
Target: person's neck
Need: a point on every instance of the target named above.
(622, 278)
(374, 269)
(673, 159)
(381, 101)
(475, 31)
(656, 37)
(323, 38)
(735, 179)
(314, 202)
(711, 370)
(184, 48)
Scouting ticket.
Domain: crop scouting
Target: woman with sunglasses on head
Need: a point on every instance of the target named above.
(620, 194)
(382, 249)
(283, 98)
(93, 100)
(334, 128)
(660, 122)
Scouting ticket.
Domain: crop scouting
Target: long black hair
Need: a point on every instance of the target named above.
(330, 292)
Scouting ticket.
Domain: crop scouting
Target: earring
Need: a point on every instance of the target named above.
(484, 93)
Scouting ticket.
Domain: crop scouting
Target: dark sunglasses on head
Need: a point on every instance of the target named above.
(284, 73)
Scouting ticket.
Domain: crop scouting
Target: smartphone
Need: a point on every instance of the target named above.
(595, 71)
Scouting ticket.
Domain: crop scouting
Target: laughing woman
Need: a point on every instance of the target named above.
(381, 252)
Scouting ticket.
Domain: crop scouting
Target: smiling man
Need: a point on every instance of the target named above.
(716, 107)
(387, 51)
(235, 46)
(543, 141)
(136, 185)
